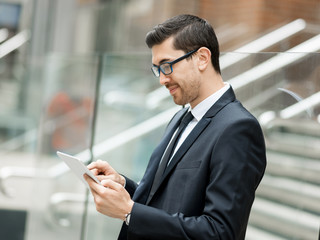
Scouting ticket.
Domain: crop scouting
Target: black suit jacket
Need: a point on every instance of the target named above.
(208, 189)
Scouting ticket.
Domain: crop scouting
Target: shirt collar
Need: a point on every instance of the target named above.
(200, 110)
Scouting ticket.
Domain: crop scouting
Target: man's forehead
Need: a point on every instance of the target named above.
(159, 56)
(164, 52)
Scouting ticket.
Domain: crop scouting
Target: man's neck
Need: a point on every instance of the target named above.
(210, 85)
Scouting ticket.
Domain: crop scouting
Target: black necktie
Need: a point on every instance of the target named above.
(167, 155)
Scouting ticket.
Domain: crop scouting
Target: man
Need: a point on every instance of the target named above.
(206, 188)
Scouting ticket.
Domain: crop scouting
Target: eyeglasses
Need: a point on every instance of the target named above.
(166, 67)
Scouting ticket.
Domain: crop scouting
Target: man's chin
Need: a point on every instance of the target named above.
(179, 102)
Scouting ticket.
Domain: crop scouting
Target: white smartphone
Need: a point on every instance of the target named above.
(78, 168)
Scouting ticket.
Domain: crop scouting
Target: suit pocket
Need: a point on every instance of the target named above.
(186, 165)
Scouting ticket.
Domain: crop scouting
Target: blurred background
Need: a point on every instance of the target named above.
(75, 77)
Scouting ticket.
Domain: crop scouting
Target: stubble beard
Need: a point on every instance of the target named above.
(188, 93)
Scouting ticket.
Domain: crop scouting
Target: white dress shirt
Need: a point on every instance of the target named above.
(198, 112)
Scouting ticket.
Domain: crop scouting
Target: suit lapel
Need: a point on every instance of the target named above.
(186, 145)
(183, 149)
(144, 187)
(226, 98)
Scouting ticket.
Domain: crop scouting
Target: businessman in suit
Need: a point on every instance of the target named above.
(204, 188)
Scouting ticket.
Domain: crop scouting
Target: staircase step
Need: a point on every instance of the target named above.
(286, 221)
(291, 192)
(285, 165)
(254, 233)
(294, 144)
(304, 127)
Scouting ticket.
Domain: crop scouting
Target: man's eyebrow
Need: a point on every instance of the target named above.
(162, 61)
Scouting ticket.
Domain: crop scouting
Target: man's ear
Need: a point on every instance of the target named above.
(204, 56)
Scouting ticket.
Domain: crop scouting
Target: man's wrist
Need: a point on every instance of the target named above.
(127, 216)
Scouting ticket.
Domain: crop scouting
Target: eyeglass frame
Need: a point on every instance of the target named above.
(156, 69)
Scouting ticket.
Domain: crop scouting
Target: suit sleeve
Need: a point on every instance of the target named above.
(130, 186)
(237, 164)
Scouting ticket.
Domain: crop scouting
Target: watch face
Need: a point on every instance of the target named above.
(128, 218)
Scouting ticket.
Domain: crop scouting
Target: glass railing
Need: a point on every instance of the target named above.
(112, 107)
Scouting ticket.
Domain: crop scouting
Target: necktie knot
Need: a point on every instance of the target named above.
(187, 118)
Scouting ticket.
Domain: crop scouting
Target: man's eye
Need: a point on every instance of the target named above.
(166, 67)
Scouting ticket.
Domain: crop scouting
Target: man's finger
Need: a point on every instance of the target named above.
(103, 177)
(108, 183)
(95, 171)
(99, 165)
(92, 184)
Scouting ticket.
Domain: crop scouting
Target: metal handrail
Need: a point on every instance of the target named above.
(294, 110)
(300, 107)
(275, 63)
(63, 198)
(264, 42)
(4, 33)
(15, 42)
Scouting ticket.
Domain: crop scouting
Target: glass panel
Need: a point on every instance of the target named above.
(129, 96)
(19, 121)
(58, 197)
(133, 111)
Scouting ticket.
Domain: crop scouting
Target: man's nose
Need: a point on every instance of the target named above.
(163, 79)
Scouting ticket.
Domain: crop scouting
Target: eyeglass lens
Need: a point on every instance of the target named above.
(166, 68)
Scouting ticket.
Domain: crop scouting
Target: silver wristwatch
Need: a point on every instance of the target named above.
(127, 219)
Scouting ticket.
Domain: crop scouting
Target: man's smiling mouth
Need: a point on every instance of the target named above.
(172, 89)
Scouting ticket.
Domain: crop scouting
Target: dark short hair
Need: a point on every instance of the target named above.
(189, 32)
